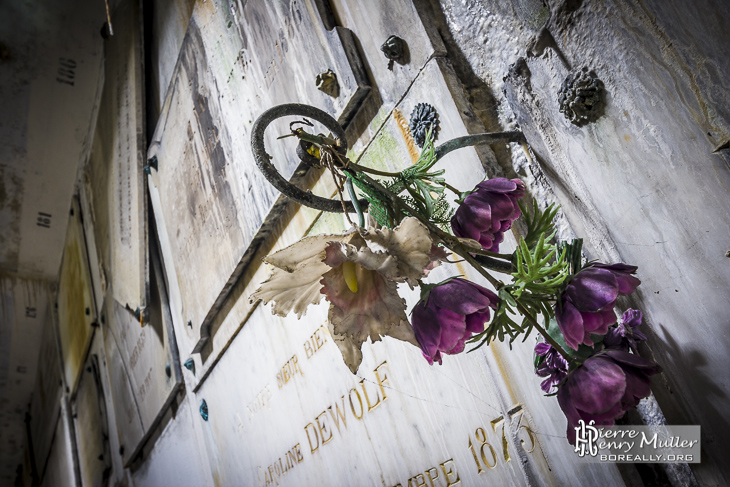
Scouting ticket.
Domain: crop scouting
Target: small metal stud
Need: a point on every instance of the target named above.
(190, 365)
(151, 164)
(204, 410)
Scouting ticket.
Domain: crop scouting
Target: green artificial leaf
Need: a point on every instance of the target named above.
(538, 222)
(538, 270)
(583, 351)
(574, 253)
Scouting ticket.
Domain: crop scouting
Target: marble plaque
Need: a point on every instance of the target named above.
(25, 309)
(480, 418)
(58, 471)
(91, 426)
(76, 309)
(143, 366)
(208, 196)
(114, 178)
(45, 405)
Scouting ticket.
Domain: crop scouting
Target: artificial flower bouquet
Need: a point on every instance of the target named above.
(587, 356)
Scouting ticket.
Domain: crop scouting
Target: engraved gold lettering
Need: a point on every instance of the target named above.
(483, 442)
(352, 405)
(505, 449)
(287, 372)
(476, 459)
(367, 399)
(450, 472)
(382, 380)
(318, 339)
(322, 428)
(416, 482)
(308, 349)
(517, 410)
(431, 479)
(532, 439)
(316, 437)
(315, 341)
(282, 465)
(300, 457)
(340, 414)
(295, 365)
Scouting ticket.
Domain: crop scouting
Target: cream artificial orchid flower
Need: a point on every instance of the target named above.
(357, 272)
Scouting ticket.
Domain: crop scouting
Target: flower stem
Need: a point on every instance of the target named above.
(544, 333)
(491, 254)
(355, 203)
(358, 167)
(452, 189)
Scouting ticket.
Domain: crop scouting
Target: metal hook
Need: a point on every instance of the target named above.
(263, 160)
(306, 198)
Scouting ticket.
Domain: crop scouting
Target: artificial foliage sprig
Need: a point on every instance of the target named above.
(538, 222)
(424, 190)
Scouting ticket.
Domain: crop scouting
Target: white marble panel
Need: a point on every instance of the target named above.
(209, 198)
(45, 404)
(114, 178)
(76, 309)
(91, 426)
(59, 470)
(177, 459)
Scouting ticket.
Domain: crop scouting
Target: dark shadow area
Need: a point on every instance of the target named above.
(481, 96)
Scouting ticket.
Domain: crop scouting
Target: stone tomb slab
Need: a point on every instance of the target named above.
(25, 310)
(76, 309)
(91, 425)
(59, 469)
(115, 174)
(144, 370)
(211, 199)
(45, 405)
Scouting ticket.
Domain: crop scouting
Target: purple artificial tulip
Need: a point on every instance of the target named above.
(488, 212)
(553, 366)
(625, 334)
(586, 305)
(604, 387)
(450, 314)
